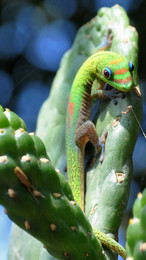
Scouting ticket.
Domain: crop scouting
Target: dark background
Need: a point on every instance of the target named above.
(34, 35)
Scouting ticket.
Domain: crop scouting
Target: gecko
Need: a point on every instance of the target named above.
(106, 67)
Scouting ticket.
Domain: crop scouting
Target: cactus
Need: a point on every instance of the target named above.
(107, 184)
(34, 194)
(110, 181)
(38, 198)
(136, 232)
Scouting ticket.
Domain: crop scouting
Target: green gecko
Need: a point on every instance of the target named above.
(106, 67)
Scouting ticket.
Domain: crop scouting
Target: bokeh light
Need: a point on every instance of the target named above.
(49, 44)
(61, 9)
(28, 101)
(6, 88)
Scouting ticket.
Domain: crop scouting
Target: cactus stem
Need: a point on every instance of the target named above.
(3, 158)
(120, 177)
(53, 227)
(73, 228)
(26, 158)
(27, 225)
(11, 193)
(56, 195)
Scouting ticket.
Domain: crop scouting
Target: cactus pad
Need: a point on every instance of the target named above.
(37, 198)
(136, 232)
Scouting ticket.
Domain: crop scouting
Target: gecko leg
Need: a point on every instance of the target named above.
(107, 93)
(106, 43)
(113, 94)
(102, 141)
(87, 132)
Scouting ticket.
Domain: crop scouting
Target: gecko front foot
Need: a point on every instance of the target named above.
(109, 37)
(106, 43)
(114, 94)
(101, 144)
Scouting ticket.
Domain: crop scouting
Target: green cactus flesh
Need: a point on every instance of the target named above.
(37, 198)
(136, 232)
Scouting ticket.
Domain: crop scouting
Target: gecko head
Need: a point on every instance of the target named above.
(116, 71)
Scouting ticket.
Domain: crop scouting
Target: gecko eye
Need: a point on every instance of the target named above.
(131, 66)
(107, 73)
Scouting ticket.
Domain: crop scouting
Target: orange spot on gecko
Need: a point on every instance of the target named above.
(123, 81)
(115, 61)
(70, 107)
(121, 71)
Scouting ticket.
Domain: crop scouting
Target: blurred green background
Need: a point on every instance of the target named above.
(34, 35)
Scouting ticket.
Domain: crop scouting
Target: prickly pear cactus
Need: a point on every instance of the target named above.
(136, 232)
(107, 184)
(37, 198)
